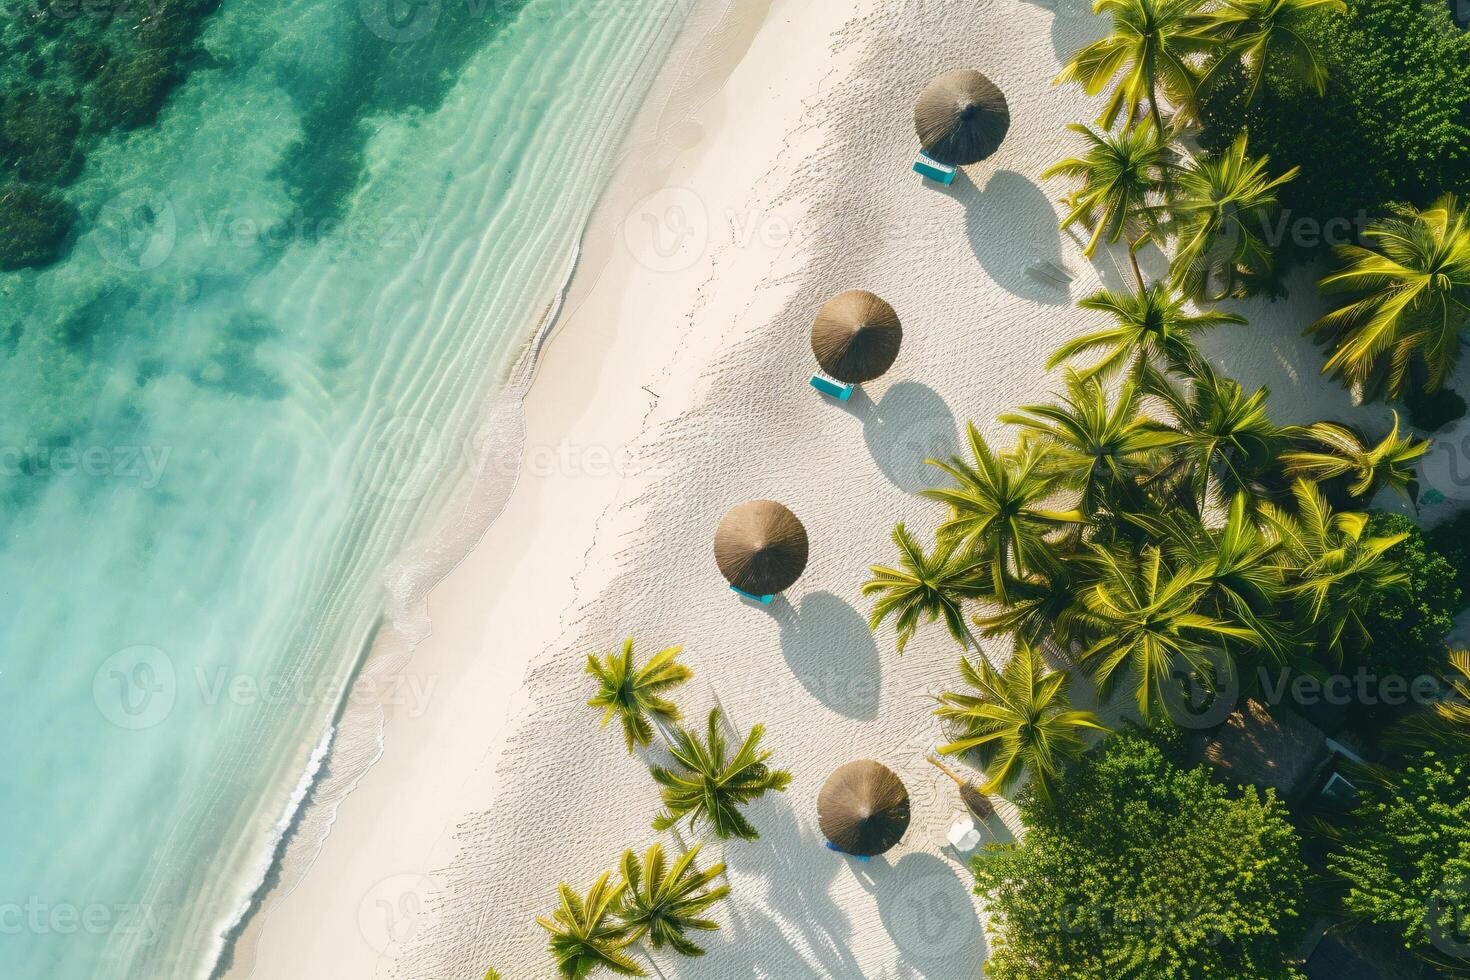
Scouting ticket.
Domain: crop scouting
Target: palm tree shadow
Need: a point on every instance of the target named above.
(1012, 228)
(794, 912)
(830, 649)
(926, 907)
(1073, 26)
(911, 424)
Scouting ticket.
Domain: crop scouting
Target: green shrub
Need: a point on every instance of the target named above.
(1409, 629)
(1145, 869)
(1394, 124)
(1404, 855)
(1452, 540)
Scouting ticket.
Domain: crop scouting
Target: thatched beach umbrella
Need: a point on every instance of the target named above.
(863, 808)
(856, 336)
(961, 118)
(761, 547)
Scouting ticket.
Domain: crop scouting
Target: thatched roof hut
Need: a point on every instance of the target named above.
(1269, 748)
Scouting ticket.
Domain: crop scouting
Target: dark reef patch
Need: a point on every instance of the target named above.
(70, 75)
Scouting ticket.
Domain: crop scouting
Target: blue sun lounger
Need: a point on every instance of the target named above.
(927, 166)
(764, 600)
(856, 857)
(836, 389)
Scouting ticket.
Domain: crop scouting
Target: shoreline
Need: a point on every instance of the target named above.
(403, 626)
(696, 372)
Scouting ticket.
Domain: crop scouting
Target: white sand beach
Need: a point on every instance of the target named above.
(771, 172)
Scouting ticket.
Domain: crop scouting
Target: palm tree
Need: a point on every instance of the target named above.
(1097, 449)
(1333, 569)
(1415, 301)
(1045, 605)
(1149, 44)
(1348, 456)
(1150, 618)
(1229, 443)
(1244, 581)
(632, 694)
(663, 903)
(1217, 205)
(1152, 330)
(996, 512)
(1019, 719)
(1119, 172)
(1255, 33)
(584, 935)
(1447, 726)
(924, 589)
(705, 786)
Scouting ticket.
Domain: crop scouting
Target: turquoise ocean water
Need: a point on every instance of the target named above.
(226, 410)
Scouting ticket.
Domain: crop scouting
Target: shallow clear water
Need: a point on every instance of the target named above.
(227, 409)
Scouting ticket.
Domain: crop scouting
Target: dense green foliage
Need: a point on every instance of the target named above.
(1148, 870)
(1451, 539)
(1393, 124)
(1409, 626)
(1404, 855)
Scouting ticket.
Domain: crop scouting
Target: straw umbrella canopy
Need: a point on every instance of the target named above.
(863, 808)
(856, 336)
(761, 547)
(961, 118)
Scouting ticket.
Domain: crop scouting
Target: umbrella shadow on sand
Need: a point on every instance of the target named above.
(1073, 26)
(831, 651)
(911, 424)
(925, 906)
(1013, 231)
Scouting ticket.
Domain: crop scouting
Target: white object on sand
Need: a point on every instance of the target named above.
(963, 835)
